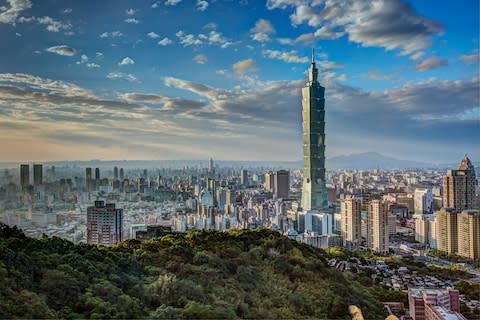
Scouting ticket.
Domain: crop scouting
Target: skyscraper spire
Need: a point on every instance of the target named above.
(313, 55)
(313, 71)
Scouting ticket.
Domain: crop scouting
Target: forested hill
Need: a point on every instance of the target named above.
(202, 274)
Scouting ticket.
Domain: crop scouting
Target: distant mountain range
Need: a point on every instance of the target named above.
(373, 160)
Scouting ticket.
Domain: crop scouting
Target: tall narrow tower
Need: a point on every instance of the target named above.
(314, 192)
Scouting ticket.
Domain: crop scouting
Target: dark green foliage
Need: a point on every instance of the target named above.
(199, 275)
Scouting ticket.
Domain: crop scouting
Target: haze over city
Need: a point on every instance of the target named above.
(193, 79)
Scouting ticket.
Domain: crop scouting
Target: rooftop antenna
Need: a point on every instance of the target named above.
(313, 55)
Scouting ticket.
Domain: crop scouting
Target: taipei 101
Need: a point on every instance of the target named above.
(253, 159)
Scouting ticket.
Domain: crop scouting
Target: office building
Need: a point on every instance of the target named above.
(350, 211)
(244, 177)
(88, 174)
(269, 181)
(115, 173)
(24, 175)
(459, 186)
(211, 167)
(37, 174)
(447, 230)
(104, 224)
(314, 191)
(423, 200)
(97, 173)
(377, 220)
(311, 221)
(468, 222)
(121, 175)
(281, 183)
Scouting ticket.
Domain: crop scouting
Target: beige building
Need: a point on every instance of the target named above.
(468, 222)
(378, 238)
(459, 187)
(447, 230)
(350, 210)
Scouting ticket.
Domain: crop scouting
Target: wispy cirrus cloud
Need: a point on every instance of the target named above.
(431, 63)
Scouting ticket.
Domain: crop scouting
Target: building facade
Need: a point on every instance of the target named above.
(378, 238)
(468, 222)
(24, 175)
(281, 183)
(459, 186)
(37, 174)
(314, 191)
(350, 210)
(104, 224)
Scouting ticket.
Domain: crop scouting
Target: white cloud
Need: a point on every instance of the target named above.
(130, 12)
(200, 59)
(165, 42)
(112, 34)
(470, 58)
(62, 50)
(262, 30)
(155, 5)
(53, 25)
(83, 59)
(122, 76)
(287, 56)
(212, 38)
(66, 11)
(10, 14)
(243, 66)
(153, 35)
(132, 21)
(18, 34)
(126, 61)
(172, 2)
(93, 65)
(431, 63)
(211, 26)
(369, 23)
(202, 5)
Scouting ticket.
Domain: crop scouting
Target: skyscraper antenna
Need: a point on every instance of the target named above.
(313, 55)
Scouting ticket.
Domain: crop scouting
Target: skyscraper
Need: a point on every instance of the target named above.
(104, 224)
(469, 234)
(378, 238)
(88, 175)
(269, 181)
(314, 191)
(282, 183)
(350, 210)
(459, 186)
(244, 177)
(115, 173)
(121, 174)
(37, 174)
(423, 199)
(211, 166)
(97, 173)
(24, 175)
(447, 230)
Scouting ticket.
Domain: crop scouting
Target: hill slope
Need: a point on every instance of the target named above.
(236, 274)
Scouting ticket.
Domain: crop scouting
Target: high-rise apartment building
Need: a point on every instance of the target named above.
(314, 191)
(115, 173)
(459, 186)
(447, 230)
(468, 222)
(37, 174)
(350, 210)
(244, 177)
(423, 200)
(24, 175)
(281, 182)
(377, 216)
(269, 181)
(104, 224)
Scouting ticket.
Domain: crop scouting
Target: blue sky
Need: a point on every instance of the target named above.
(192, 79)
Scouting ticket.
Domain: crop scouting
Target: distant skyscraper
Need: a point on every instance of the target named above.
(97, 173)
(37, 174)
(350, 210)
(211, 166)
(88, 174)
(282, 183)
(314, 192)
(24, 175)
(244, 177)
(459, 186)
(378, 226)
(269, 182)
(121, 174)
(115, 173)
(104, 224)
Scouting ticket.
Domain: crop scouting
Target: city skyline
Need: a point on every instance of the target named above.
(135, 84)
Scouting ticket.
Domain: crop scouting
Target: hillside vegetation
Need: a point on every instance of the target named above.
(201, 274)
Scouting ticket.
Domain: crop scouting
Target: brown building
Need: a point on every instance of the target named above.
(468, 222)
(350, 210)
(433, 304)
(104, 224)
(459, 186)
(447, 230)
